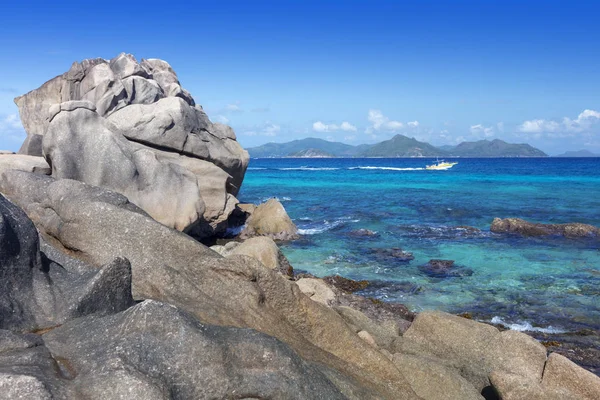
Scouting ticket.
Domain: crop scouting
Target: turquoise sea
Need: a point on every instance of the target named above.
(544, 284)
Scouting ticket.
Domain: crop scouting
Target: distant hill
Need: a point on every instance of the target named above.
(446, 147)
(310, 153)
(579, 153)
(398, 146)
(494, 148)
(402, 146)
(285, 149)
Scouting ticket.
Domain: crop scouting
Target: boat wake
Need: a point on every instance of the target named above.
(387, 168)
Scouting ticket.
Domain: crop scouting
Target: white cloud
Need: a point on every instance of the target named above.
(321, 127)
(344, 126)
(539, 125)
(413, 124)
(350, 138)
(11, 128)
(266, 129)
(233, 108)
(347, 127)
(221, 119)
(482, 131)
(380, 122)
(271, 129)
(567, 127)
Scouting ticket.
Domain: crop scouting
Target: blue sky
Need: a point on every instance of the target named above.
(350, 71)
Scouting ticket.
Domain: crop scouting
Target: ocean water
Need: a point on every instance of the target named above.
(544, 284)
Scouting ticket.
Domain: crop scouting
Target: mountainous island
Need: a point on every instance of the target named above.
(578, 153)
(398, 146)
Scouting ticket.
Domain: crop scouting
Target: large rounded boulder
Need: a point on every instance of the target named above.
(130, 127)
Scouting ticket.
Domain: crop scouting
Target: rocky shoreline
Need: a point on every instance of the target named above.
(108, 291)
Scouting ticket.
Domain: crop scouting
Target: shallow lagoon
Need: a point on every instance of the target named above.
(552, 284)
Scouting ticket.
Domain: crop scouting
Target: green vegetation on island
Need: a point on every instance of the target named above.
(398, 146)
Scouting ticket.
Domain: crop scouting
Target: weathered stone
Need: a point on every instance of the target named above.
(155, 350)
(125, 65)
(474, 348)
(518, 353)
(142, 91)
(345, 284)
(23, 162)
(393, 255)
(432, 381)
(170, 123)
(33, 109)
(28, 370)
(562, 374)
(172, 267)
(270, 219)
(383, 334)
(363, 233)
(146, 103)
(38, 293)
(444, 269)
(525, 228)
(261, 248)
(510, 386)
(368, 338)
(14, 386)
(215, 189)
(82, 146)
(317, 290)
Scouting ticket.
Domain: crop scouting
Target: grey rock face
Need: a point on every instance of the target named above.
(82, 147)
(98, 226)
(39, 293)
(124, 107)
(157, 351)
(27, 369)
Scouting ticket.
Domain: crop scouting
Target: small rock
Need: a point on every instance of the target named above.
(363, 233)
(525, 228)
(270, 219)
(23, 162)
(444, 269)
(366, 336)
(345, 284)
(395, 254)
(317, 290)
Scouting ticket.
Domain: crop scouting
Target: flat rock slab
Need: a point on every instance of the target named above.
(23, 162)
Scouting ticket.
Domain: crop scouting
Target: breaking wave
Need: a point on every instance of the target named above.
(525, 326)
(315, 228)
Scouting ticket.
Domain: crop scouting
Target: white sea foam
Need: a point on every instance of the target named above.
(387, 168)
(255, 168)
(524, 326)
(326, 226)
(279, 199)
